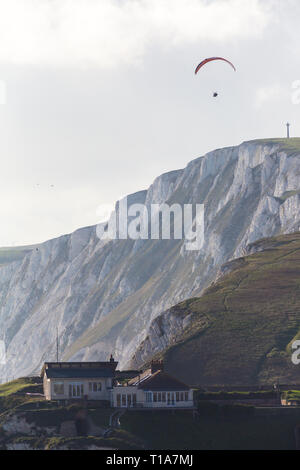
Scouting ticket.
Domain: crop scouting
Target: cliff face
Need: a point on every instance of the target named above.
(103, 295)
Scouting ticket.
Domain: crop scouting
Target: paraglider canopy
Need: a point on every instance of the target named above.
(206, 61)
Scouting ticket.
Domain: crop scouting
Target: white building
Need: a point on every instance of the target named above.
(77, 380)
(154, 388)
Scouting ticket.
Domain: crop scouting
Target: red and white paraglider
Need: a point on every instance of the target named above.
(211, 59)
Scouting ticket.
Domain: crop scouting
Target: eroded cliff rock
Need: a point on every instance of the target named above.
(104, 295)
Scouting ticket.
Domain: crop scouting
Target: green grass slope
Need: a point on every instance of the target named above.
(290, 146)
(20, 386)
(245, 323)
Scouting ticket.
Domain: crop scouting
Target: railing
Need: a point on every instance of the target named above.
(158, 405)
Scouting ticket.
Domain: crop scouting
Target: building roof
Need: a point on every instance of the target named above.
(109, 365)
(79, 373)
(161, 381)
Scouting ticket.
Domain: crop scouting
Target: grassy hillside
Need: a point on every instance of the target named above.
(252, 315)
(18, 386)
(290, 146)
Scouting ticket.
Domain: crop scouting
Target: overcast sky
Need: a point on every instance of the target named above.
(101, 97)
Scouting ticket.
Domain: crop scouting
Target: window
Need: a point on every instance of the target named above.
(159, 397)
(148, 397)
(76, 390)
(95, 387)
(171, 398)
(186, 396)
(177, 396)
(58, 388)
(163, 397)
(134, 399)
(155, 397)
(181, 396)
(118, 400)
(123, 400)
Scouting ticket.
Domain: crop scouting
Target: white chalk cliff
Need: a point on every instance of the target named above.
(103, 295)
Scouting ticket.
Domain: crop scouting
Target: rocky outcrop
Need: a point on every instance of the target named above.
(17, 424)
(18, 446)
(104, 295)
(163, 332)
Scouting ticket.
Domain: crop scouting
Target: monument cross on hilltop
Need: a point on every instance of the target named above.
(288, 129)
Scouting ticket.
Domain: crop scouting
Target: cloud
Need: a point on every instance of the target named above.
(105, 33)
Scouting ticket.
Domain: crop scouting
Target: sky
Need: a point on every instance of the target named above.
(99, 97)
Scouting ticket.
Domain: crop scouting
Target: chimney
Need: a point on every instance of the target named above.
(156, 365)
(111, 359)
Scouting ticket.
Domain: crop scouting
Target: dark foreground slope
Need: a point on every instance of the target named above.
(225, 429)
(244, 324)
(29, 422)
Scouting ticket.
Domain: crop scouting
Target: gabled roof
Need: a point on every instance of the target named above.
(80, 373)
(161, 381)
